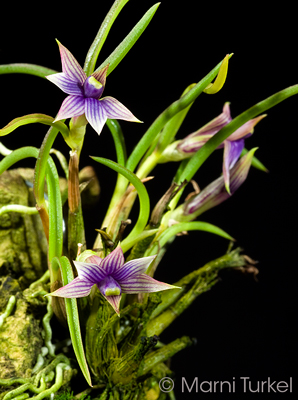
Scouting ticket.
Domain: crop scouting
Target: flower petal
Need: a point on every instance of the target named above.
(95, 114)
(133, 267)
(114, 301)
(215, 193)
(232, 151)
(66, 84)
(115, 109)
(101, 75)
(76, 288)
(70, 66)
(72, 106)
(246, 129)
(144, 284)
(90, 272)
(114, 261)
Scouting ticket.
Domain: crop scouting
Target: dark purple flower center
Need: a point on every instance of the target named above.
(109, 287)
(92, 88)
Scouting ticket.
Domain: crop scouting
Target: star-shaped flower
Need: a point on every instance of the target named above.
(84, 94)
(112, 277)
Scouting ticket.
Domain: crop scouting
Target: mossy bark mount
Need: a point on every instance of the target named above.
(23, 259)
(23, 245)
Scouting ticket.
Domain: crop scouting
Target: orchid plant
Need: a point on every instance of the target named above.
(106, 292)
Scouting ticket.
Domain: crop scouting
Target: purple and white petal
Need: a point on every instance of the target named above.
(115, 302)
(115, 109)
(144, 284)
(101, 75)
(113, 262)
(133, 267)
(94, 260)
(239, 172)
(91, 272)
(72, 106)
(66, 84)
(75, 289)
(246, 129)
(70, 66)
(95, 114)
(232, 151)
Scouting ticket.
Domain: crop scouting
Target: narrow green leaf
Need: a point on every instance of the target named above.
(101, 36)
(166, 115)
(173, 230)
(30, 69)
(128, 42)
(73, 317)
(55, 212)
(118, 138)
(41, 165)
(143, 197)
(32, 119)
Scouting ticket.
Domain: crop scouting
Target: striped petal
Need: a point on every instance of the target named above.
(114, 301)
(72, 106)
(101, 75)
(95, 114)
(215, 193)
(131, 268)
(232, 151)
(144, 284)
(76, 288)
(90, 272)
(114, 109)
(246, 129)
(113, 262)
(70, 66)
(66, 84)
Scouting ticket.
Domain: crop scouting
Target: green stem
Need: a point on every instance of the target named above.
(30, 69)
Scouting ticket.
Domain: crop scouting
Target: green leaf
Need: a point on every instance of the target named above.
(173, 230)
(166, 115)
(32, 119)
(143, 197)
(129, 41)
(101, 36)
(30, 69)
(118, 138)
(73, 317)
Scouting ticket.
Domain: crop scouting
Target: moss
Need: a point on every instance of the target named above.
(22, 243)
(20, 342)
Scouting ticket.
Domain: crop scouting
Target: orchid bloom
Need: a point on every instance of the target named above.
(233, 145)
(112, 277)
(84, 93)
(215, 193)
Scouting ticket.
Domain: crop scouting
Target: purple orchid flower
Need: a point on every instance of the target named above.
(215, 193)
(112, 277)
(84, 93)
(233, 145)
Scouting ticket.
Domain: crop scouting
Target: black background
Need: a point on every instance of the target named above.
(243, 328)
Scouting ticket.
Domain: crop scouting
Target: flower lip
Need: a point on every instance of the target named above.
(93, 88)
(109, 287)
